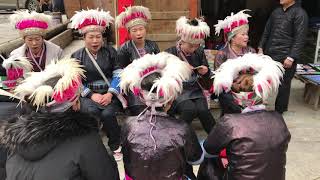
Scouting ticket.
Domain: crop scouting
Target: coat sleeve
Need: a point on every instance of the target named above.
(114, 84)
(123, 59)
(95, 163)
(85, 91)
(266, 33)
(300, 31)
(204, 61)
(218, 139)
(156, 48)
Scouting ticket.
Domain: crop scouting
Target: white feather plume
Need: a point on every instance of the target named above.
(34, 87)
(227, 22)
(17, 62)
(173, 72)
(93, 14)
(267, 79)
(19, 16)
(121, 18)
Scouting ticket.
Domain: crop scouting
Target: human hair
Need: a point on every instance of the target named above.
(148, 81)
(244, 83)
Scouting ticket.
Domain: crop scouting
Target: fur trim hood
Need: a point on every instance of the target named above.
(35, 135)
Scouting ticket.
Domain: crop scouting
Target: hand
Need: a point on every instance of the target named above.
(260, 51)
(96, 97)
(106, 99)
(76, 105)
(202, 69)
(287, 63)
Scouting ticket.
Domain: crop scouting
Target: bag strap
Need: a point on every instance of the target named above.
(98, 67)
(119, 96)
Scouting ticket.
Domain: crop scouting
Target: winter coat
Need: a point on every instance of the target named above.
(285, 33)
(64, 147)
(255, 142)
(163, 159)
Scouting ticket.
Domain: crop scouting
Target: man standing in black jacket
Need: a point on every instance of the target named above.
(283, 40)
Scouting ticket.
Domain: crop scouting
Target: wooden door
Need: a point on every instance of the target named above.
(164, 15)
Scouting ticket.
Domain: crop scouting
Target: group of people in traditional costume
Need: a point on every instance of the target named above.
(66, 101)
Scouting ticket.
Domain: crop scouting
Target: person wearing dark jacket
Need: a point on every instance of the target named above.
(156, 146)
(100, 95)
(192, 102)
(236, 29)
(135, 19)
(60, 146)
(254, 141)
(283, 39)
(54, 142)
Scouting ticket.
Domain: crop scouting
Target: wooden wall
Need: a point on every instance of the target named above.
(164, 15)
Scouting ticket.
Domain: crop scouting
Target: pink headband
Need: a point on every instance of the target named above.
(134, 16)
(234, 25)
(31, 24)
(88, 22)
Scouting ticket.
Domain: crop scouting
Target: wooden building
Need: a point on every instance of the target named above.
(166, 12)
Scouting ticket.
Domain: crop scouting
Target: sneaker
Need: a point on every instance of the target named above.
(117, 154)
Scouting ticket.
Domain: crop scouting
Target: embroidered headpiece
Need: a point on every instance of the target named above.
(91, 20)
(30, 23)
(192, 31)
(232, 24)
(173, 72)
(132, 16)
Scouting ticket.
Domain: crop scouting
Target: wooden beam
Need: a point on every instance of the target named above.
(194, 6)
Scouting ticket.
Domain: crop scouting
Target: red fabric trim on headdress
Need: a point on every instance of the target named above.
(67, 94)
(89, 22)
(134, 15)
(234, 25)
(31, 24)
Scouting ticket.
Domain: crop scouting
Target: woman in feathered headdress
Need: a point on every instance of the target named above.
(192, 103)
(256, 138)
(235, 32)
(135, 19)
(54, 141)
(100, 95)
(155, 145)
(32, 28)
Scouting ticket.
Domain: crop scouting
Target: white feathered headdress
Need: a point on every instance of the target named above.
(132, 16)
(173, 72)
(30, 23)
(16, 69)
(233, 23)
(192, 31)
(91, 20)
(265, 82)
(57, 84)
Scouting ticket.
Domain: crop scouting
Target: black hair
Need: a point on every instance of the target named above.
(148, 81)
(193, 22)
